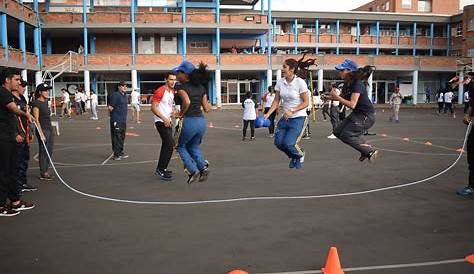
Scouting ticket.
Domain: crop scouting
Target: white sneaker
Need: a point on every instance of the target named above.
(332, 136)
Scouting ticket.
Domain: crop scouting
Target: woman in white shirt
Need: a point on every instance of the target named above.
(395, 101)
(66, 105)
(94, 103)
(440, 101)
(249, 116)
(135, 102)
(292, 92)
(267, 103)
(448, 102)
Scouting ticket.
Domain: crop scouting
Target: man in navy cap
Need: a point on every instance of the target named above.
(118, 107)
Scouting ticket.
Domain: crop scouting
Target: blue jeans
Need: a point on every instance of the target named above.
(192, 132)
(288, 135)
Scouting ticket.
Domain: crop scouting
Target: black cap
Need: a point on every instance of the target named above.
(122, 83)
(23, 83)
(43, 87)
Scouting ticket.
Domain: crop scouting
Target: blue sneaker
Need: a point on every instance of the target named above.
(299, 162)
(467, 191)
(292, 163)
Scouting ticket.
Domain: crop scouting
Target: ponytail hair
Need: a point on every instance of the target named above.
(361, 74)
(200, 76)
(301, 66)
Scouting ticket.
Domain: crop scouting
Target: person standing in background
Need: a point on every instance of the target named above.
(66, 103)
(94, 102)
(267, 103)
(118, 107)
(249, 116)
(395, 101)
(135, 102)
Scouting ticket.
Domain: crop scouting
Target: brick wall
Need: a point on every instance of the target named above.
(468, 36)
(437, 6)
(113, 43)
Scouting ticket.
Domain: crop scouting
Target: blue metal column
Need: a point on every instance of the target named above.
(3, 17)
(377, 38)
(94, 84)
(432, 39)
(414, 39)
(295, 26)
(49, 45)
(183, 19)
(274, 29)
(218, 33)
(37, 34)
(398, 38)
(84, 20)
(132, 22)
(358, 37)
(262, 7)
(337, 36)
(22, 41)
(448, 33)
(270, 33)
(92, 42)
(317, 35)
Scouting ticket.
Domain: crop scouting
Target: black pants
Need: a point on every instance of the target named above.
(440, 106)
(448, 106)
(350, 130)
(43, 157)
(326, 111)
(470, 157)
(334, 117)
(466, 106)
(23, 156)
(117, 132)
(8, 172)
(252, 128)
(167, 144)
(271, 128)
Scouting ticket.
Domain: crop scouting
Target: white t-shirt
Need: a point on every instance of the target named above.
(290, 94)
(441, 97)
(165, 99)
(66, 98)
(448, 97)
(249, 106)
(94, 99)
(78, 97)
(269, 97)
(135, 97)
(336, 103)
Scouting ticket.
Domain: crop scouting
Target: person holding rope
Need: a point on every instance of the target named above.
(192, 95)
(10, 79)
(469, 189)
(354, 96)
(292, 92)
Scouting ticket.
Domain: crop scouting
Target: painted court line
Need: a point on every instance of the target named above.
(106, 160)
(390, 266)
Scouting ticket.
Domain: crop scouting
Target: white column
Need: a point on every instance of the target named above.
(38, 78)
(370, 87)
(461, 88)
(415, 87)
(278, 74)
(87, 87)
(269, 79)
(320, 79)
(218, 88)
(134, 79)
(24, 76)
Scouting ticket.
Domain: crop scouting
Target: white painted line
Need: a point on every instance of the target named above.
(106, 160)
(389, 266)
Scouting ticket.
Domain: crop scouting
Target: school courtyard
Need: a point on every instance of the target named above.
(254, 213)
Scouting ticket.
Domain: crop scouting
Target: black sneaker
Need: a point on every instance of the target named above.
(373, 156)
(244, 138)
(117, 158)
(169, 172)
(7, 212)
(124, 156)
(252, 138)
(203, 174)
(22, 205)
(163, 175)
(192, 178)
(28, 188)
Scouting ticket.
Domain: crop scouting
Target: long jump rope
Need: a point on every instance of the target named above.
(255, 198)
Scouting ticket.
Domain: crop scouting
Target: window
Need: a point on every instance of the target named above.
(199, 44)
(471, 25)
(406, 4)
(424, 5)
(387, 6)
(471, 53)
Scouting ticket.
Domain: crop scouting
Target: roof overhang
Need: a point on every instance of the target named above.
(239, 2)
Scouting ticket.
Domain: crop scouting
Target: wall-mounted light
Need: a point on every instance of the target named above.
(249, 18)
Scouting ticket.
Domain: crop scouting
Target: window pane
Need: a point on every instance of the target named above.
(406, 4)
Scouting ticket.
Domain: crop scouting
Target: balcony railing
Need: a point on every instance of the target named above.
(244, 59)
(15, 8)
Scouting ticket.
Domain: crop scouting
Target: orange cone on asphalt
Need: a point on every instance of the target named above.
(470, 259)
(333, 265)
(237, 271)
(459, 150)
(428, 143)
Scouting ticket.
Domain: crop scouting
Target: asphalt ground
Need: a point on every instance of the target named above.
(71, 233)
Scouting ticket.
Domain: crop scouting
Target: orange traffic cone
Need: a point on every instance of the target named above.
(470, 259)
(333, 265)
(428, 143)
(459, 150)
(237, 271)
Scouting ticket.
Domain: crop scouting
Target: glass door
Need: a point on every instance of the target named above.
(233, 92)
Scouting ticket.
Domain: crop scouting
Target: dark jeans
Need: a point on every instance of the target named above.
(43, 157)
(448, 106)
(470, 157)
(350, 130)
(8, 172)
(252, 128)
(466, 106)
(271, 128)
(117, 132)
(23, 155)
(326, 111)
(334, 117)
(440, 106)
(167, 144)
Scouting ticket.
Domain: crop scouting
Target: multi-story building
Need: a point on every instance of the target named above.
(139, 41)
